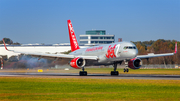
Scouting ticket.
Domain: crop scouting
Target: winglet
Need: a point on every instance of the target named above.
(175, 48)
(4, 44)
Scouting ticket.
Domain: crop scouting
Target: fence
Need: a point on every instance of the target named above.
(158, 66)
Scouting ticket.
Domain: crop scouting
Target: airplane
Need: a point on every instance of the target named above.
(105, 54)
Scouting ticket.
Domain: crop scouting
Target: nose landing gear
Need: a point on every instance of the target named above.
(126, 66)
(126, 70)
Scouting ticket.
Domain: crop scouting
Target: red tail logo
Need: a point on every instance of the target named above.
(72, 37)
(110, 52)
(175, 47)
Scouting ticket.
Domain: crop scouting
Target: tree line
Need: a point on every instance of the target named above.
(158, 47)
(9, 41)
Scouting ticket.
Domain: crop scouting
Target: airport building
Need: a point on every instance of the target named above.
(94, 37)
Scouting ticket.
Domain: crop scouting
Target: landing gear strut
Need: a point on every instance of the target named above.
(115, 72)
(126, 68)
(83, 73)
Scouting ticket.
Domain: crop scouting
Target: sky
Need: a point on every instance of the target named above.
(45, 21)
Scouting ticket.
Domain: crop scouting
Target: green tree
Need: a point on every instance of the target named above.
(8, 41)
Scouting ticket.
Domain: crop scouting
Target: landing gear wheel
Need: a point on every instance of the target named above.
(115, 67)
(114, 73)
(126, 70)
(83, 73)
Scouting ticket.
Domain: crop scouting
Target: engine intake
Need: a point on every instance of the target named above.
(135, 63)
(77, 63)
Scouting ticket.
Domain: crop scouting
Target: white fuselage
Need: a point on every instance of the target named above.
(109, 53)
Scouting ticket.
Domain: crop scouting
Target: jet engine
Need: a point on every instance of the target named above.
(77, 63)
(135, 63)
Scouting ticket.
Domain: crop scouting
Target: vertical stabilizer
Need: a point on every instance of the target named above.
(175, 47)
(72, 37)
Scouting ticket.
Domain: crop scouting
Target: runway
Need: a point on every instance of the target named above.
(93, 76)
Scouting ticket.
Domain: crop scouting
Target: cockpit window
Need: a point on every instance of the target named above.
(126, 47)
(129, 47)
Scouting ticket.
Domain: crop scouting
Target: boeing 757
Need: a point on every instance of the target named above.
(106, 54)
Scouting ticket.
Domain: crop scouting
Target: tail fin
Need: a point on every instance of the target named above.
(175, 48)
(72, 37)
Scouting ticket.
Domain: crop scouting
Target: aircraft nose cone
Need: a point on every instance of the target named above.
(135, 52)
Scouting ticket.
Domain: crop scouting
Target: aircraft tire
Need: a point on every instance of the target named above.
(114, 73)
(83, 73)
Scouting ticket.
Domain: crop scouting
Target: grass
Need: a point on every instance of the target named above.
(74, 89)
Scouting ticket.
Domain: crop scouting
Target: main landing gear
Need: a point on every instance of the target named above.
(83, 73)
(115, 72)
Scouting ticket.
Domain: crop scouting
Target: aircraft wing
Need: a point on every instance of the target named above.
(158, 55)
(154, 55)
(45, 55)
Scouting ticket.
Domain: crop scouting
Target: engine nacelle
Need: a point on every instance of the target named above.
(135, 63)
(77, 63)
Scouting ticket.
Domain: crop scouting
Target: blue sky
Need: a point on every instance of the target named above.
(45, 21)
